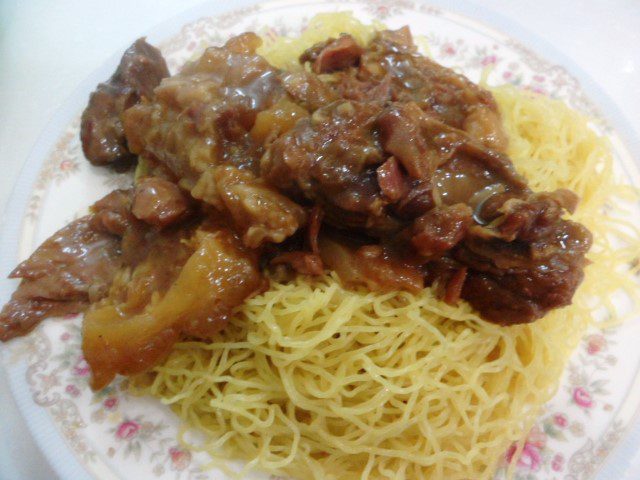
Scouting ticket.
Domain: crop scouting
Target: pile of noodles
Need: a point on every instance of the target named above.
(315, 381)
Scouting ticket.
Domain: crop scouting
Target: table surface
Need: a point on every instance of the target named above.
(47, 48)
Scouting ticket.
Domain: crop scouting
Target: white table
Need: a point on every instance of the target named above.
(48, 47)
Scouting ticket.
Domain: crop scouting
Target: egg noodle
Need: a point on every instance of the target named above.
(315, 381)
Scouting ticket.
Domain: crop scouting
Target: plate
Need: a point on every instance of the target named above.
(588, 430)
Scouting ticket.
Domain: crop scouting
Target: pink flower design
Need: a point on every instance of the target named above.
(489, 60)
(81, 368)
(127, 430)
(536, 89)
(595, 343)
(507, 75)
(582, 397)
(530, 457)
(66, 165)
(538, 78)
(65, 336)
(560, 419)
(180, 459)
(110, 403)
(448, 49)
(72, 390)
(557, 463)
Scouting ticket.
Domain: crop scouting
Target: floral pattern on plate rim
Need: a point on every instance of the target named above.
(559, 446)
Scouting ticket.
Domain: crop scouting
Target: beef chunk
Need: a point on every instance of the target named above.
(391, 180)
(520, 280)
(70, 269)
(140, 71)
(369, 265)
(257, 210)
(159, 202)
(440, 229)
(334, 54)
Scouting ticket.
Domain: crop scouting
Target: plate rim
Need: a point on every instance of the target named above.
(41, 427)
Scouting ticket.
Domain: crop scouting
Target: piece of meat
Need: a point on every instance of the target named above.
(401, 136)
(330, 159)
(453, 288)
(351, 88)
(524, 217)
(306, 263)
(484, 124)
(417, 201)
(369, 266)
(195, 294)
(333, 54)
(306, 258)
(308, 90)
(258, 211)
(400, 40)
(519, 281)
(159, 202)
(112, 213)
(438, 91)
(101, 132)
(440, 229)
(203, 116)
(391, 180)
(313, 229)
(70, 269)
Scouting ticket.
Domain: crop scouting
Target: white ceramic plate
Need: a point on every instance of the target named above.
(110, 435)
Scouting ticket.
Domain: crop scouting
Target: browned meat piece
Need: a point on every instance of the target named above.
(308, 90)
(331, 159)
(438, 90)
(333, 54)
(306, 263)
(401, 136)
(159, 202)
(422, 144)
(440, 229)
(399, 40)
(197, 283)
(369, 265)
(70, 269)
(417, 201)
(257, 210)
(140, 71)
(524, 218)
(334, 159)
(484, 124)
(112, 213)
(519, 281)
(351, 88)
(453, 288)
(313, 229)
(202, 116)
